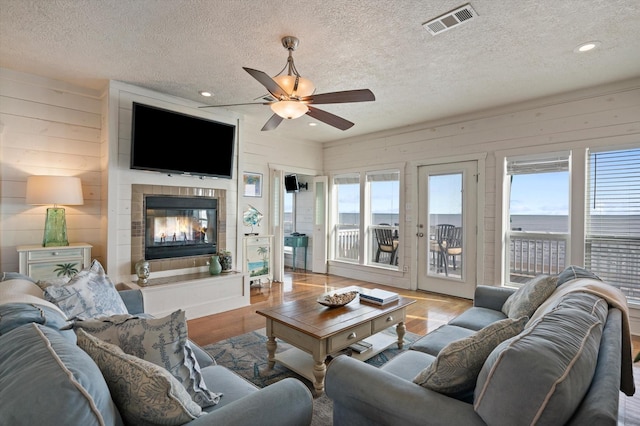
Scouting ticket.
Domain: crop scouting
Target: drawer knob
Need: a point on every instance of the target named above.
(389, 318)
(351, 336)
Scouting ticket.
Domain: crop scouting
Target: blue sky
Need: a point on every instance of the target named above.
(540, 194)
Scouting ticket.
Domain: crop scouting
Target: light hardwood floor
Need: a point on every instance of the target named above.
(428, 313)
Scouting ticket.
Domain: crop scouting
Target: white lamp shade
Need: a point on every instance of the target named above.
(289, 109)
(64, 190)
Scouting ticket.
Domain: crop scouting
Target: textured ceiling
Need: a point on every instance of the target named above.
(513, 51)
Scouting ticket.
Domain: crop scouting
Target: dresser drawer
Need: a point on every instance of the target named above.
(386, 321)
(347, 337)
(43, 263)
(52, 255)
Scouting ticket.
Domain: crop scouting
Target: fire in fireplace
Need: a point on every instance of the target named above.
(180, 226)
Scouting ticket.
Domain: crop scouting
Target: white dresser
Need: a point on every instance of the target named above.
(42, 263)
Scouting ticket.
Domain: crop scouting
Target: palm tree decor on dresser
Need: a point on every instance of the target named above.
(66, 269)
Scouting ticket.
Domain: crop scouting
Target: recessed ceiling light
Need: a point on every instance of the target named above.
(586, 47)
(313, 124)
(205, 93)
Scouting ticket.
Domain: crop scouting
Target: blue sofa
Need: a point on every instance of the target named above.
(46, 379)
(539, 376)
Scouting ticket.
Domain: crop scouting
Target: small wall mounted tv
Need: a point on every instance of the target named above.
(172, 142)
(291, 183)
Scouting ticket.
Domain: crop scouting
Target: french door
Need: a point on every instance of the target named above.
(447, 231)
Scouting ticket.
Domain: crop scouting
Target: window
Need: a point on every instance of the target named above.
(612, 241)
(356, 233)
(383, 188)
(538, 233)
(289, 213)
(347, 221)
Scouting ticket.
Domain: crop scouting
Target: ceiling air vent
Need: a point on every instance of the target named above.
(450, 19)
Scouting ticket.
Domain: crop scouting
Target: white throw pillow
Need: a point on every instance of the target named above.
(89, 294)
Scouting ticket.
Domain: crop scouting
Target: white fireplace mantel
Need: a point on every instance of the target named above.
(198, 294)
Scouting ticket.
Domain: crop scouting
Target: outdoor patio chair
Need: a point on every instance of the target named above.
(442, 235)
(454, 244)
(386, 244)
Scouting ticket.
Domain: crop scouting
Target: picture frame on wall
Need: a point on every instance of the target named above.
(252, 183)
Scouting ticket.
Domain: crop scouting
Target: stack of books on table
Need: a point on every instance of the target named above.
(377, 296)
(361, 346)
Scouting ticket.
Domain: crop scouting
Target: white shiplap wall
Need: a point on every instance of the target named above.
(51, 127)
(47, 127)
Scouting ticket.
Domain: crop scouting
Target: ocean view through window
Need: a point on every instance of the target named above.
(538, 232)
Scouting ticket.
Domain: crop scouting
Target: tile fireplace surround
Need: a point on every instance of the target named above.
(137, 224)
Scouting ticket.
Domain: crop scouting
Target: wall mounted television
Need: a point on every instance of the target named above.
(172, 142)
(291, 183)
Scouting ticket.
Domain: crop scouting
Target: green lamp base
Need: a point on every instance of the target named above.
(55, 228)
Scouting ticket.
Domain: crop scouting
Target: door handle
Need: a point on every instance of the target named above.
(420, 234)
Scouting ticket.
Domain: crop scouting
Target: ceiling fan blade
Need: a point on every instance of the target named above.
(362, 95)
(330, 119)
(267, 82)
(272, 123)
(229, 105)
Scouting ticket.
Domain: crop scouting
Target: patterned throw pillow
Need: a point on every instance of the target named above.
(89, 294)
(456, 368)
(525, 301)
(162, 341)
(143, 392)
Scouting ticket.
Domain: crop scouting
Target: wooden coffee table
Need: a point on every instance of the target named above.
(316, 331)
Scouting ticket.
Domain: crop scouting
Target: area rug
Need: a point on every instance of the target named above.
(247, 356)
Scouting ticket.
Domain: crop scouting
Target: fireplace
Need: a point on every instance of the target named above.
(179, 226)
(167, 254)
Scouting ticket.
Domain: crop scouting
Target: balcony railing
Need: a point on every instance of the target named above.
(348, 244)
(531, 254)
(616, 261)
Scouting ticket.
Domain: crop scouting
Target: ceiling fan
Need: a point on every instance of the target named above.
(293, 95)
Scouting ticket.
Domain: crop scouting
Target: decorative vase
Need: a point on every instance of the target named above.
(226, 262)
(214, 265)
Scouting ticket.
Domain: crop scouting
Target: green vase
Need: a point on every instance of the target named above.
(214, 265)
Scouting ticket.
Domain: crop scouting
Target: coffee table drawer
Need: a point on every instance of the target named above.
(347, 337)
(388, 320)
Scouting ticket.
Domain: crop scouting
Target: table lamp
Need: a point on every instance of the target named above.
(66, 190)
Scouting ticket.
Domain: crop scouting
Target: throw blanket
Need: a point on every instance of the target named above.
(616, 299)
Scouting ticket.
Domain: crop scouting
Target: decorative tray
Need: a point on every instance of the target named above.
(335, 299)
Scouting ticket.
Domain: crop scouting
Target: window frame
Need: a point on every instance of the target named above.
(364, 214)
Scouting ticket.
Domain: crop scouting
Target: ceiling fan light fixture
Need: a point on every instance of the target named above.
(287, 82)
(289, 109)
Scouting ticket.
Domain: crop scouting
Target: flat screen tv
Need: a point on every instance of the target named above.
(291, 183)
(172, 142)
